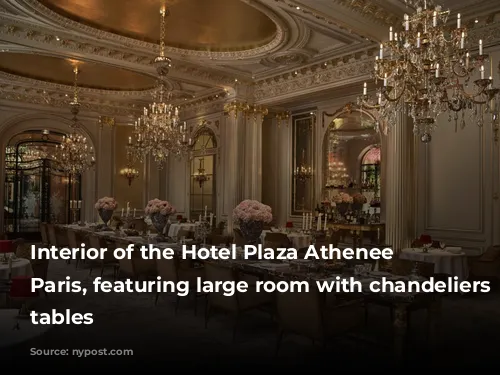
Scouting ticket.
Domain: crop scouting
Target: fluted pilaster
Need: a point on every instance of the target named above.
(253, 153)
(401, 182)
(234, 158)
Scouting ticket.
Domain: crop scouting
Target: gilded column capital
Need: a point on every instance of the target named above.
(106, 121)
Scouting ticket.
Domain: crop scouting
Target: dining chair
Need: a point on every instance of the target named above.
(238, 303)
(309, 315)
(170, 270)
(276, 239)
(109, 260)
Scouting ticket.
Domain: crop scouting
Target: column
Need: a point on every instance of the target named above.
(401, 184)
(234, 160)
(253, 154)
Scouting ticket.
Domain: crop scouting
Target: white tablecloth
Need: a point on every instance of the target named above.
(20, 267)
(298, 240)
(27, 330)
(176, 227)
(445, 262)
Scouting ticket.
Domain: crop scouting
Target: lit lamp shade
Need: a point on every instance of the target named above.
(6, 246)
(21, 287)
(289, 224)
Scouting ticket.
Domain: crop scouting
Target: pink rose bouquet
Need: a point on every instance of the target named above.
(346, 198)
(157, 206)
(106, 203)
(250, 210)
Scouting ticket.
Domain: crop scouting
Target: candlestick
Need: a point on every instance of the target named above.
(123, 210)
(385, 80)
(211, 219)
(396, 37)
(134, 213)
(458, 21)
(390, 34)
(379, 98)
(129, 140)
(467, 60)
(318, 226)
(199, 219)
(482, 71)
(205, 212)
(326, 221)
(364, 89)
(434, 19)
(437, 70)
(462, 41)
(381, 54)
(480, 47)
(407, 23)
(418, 40)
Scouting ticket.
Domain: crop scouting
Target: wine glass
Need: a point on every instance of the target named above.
(442, 245)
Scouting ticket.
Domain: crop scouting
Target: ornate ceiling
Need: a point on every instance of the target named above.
(270, 51)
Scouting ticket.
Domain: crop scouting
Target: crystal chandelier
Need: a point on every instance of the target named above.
(200, 176)
(338, 176)
(158, 131)
(426, 70)
(73, 154)
(303, 173)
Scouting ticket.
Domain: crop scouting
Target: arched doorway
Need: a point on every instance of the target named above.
(35, 189)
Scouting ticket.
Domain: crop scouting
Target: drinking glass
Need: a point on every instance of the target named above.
(442, 245)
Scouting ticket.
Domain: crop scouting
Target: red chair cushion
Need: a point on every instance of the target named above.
(21, 287)
(6, 246)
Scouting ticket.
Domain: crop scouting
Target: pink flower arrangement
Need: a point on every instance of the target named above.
(359, 198)
(250, 210)
(106, 203)
(342, 198)
(157, 206)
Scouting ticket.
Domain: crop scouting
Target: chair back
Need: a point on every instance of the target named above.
(40, 268)
(301, 313)
(51, 232)
(168, 269)
(239, 240)
(279, 239)
(44, 233)
(72, 241)
(216, 273)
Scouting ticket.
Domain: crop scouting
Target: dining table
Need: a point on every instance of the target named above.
(450, 260)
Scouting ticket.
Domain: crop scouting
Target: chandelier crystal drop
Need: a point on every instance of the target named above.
(73, 155)
(427, 69)
(158, 131)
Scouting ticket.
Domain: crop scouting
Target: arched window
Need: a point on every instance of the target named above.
(203, 177)
(370, 169)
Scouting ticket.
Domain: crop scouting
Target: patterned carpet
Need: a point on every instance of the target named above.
(161, 339)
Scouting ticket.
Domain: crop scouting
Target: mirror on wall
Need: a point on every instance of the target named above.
(302, 162)
(352, 157)
(202, 172)
(36, 189)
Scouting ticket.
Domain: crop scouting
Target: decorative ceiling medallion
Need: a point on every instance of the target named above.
(277, 41)
(59, 70)
(285, 59)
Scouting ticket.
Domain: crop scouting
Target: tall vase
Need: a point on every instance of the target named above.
(343, 208)
(159, 222)
(251, 231)
(105, 216)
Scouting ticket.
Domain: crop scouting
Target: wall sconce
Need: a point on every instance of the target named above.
(105, 120)
(129, 173)
(200, 175)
